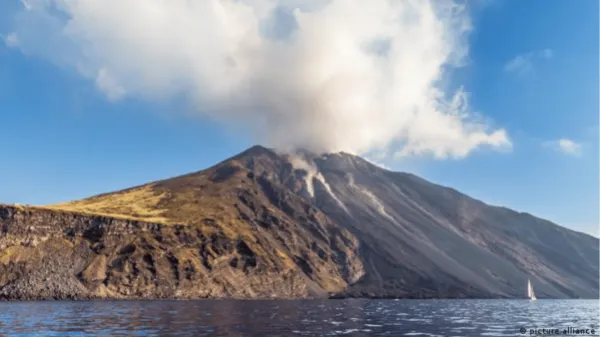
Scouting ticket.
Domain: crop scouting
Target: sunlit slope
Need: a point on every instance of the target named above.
(140, 203)
(188, 200)
(227, 231)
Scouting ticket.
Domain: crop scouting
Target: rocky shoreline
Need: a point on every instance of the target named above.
(46, 254)
(50, 255)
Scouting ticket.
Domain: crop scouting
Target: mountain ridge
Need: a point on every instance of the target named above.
(260, 148)
(337, 224)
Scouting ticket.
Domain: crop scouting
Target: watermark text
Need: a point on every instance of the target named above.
(568, 331)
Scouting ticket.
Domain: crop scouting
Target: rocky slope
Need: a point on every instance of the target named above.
(269, 225)
(417, 233)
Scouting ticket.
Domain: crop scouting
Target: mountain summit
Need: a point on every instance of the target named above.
(267, 224)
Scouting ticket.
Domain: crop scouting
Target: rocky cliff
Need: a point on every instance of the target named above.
(49, 254)
(269, 225)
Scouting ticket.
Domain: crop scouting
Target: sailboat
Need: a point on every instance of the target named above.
(530, 292)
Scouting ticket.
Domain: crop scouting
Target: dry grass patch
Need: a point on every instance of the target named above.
(140, 204)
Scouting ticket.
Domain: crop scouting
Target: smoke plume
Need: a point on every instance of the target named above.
(328, 76)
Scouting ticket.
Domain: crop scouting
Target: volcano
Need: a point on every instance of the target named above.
(265, 224)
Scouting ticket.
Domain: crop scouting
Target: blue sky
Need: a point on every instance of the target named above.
(532, 69)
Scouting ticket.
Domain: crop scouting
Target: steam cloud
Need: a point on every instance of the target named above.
(337, 75)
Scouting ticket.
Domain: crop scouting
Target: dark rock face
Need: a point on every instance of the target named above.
(45, 254)
(269, 225)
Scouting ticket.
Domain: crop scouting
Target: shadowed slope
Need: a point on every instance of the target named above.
(417, 233)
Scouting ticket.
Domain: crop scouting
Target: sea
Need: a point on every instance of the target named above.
(352, 317)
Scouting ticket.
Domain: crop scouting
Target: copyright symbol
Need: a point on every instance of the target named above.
(522, 330)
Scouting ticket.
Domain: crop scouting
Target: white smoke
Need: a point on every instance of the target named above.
(328, 76)
(369, 198)
(312, 173)
(310, 170)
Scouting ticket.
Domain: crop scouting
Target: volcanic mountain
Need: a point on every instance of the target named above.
(264, 224)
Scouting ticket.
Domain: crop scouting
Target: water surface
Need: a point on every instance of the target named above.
(294, 318)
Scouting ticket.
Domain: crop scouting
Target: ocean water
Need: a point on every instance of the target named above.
(298, 318)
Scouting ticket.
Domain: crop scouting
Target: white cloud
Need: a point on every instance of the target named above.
(106, 82)
(587, 228)
(347, 77)
(520, 63)
(523, 63)
(593, 231)
(11, 40)
(569, 147)
(26, 4)
(566, 146)
(377, 163)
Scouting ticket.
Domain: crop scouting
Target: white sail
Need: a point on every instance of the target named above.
(530, 292)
